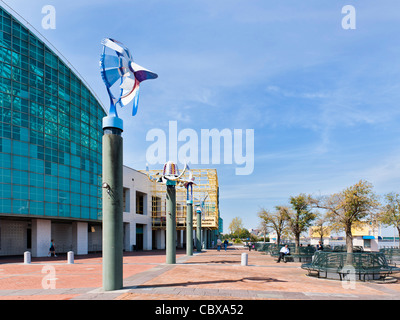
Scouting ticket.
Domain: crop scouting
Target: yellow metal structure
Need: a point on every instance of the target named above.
(205, 194)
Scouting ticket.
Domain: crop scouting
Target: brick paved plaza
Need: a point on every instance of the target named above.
(210, 275)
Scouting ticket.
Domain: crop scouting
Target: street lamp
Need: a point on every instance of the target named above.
(170, 177)
(188, 184)
(116, 64)
(198, 231)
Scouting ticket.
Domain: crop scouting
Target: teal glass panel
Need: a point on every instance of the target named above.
(85, 176)
(36, 180)
(51, 114)
(85, 213)
(5, 190)
(93, 214)
(5, 206)
(20, 177)
(5, 175)
(6, 100)
(75, 211)
(24, 132)
(75, 174)
(51, 182)
(5, 130)
(64, 210)
(85, 200)
(33, 150)
(5, 116)
(54, 166)
(51, 195)
(63, 171)
(20, 148)
(64, 184)
(36, 165)
(75, 199)
(20, 207)
(5, 55)
(20, 192)
(36, 194)
(75, 161)
(85, 188)
(20, 163)
(75, 186)
(93, 202)
(36, 208)
(93, 190)
(5, 145)
(51, 209)
(64, 197)
(5, 69)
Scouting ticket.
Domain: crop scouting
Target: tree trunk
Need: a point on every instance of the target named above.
(394, 238)
(349, 240)
(349, 245)
(297, 243)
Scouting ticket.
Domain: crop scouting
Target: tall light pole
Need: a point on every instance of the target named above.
(188, 184)
(198, 230)
(170, 176)
(116, 63)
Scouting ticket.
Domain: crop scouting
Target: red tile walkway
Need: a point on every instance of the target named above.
(209, 275)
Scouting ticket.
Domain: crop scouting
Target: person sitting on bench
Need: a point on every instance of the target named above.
(284, 251)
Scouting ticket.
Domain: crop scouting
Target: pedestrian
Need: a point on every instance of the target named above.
(219, 243)
(225, 244)
(250, 246)
(52, 249)
(284, 251)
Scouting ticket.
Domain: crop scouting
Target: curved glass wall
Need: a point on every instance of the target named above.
(50, 132)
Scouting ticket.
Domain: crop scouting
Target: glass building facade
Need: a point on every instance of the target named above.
(50, 132)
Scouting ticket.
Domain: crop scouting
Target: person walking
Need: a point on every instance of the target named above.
(225, 244)
(52, 249)
(219, 243)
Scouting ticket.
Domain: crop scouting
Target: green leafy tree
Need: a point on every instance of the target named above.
(300, 218)
(390, 212)
(320, 228)
(275, 220)
(348, 208)
(235, 225)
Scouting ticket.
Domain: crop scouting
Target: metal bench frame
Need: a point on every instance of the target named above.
(362, 264)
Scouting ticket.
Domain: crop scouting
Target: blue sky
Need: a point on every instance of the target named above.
(322, 100)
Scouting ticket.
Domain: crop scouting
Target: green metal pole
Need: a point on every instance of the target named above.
(171, 223)
(198, 232)
(189, 228)
(112, 209)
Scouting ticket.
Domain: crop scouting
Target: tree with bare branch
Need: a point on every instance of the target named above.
(300, 218)
(275, 220)
(390, 212)
(348, 208)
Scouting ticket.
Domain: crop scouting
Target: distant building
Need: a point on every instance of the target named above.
(366, 236)
(316, 233)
